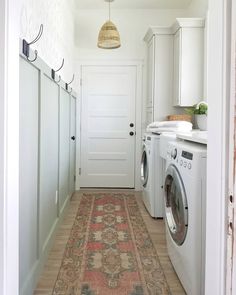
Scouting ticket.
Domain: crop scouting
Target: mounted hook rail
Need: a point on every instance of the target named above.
(26, 45)
(67, 84)
(53, 73)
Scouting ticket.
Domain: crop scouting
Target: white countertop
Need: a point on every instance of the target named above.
(194, 136)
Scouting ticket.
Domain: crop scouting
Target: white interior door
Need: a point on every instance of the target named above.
(108, 126)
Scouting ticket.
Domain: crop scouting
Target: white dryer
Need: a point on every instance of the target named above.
(185, 195)
(151, 175)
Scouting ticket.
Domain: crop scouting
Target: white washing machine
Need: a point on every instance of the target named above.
(151, 175)
(185, 196)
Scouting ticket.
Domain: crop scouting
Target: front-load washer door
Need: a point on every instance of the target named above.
(144, 168)
(176, 207)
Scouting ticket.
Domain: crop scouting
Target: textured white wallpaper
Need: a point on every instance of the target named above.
(58, 37)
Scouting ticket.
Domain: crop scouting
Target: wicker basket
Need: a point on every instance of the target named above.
(184, 117)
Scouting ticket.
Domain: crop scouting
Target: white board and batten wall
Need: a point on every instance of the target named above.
(47, 164)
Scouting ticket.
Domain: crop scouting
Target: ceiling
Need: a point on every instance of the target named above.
(133, 4)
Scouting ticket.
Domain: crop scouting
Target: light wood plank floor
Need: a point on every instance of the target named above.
(155, 227)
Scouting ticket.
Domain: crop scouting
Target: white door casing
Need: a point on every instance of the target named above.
(108, 109)
(9, 146)
(231, 243)
(218, 155)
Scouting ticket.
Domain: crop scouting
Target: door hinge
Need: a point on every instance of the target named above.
(80, 81)
(80, 171)
(74, 178)
(231, 214)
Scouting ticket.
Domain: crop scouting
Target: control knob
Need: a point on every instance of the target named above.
(174, 153)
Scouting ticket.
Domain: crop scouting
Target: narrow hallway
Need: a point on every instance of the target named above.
(72, 266)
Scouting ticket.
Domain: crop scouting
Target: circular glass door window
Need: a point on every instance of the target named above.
(144, 168)
(176, 207)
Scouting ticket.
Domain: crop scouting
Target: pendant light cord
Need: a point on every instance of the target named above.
(109, 10)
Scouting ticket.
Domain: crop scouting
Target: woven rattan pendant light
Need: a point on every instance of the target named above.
(109, 37)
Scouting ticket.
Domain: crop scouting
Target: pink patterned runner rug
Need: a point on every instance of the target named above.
(109, 251)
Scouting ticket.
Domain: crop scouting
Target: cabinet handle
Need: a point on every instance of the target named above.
(131, 133)
(73, 137)
(131, 124)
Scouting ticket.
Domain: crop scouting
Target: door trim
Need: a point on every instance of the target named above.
(138, 112)
(9, 146)
(231, 245)
(218, 147)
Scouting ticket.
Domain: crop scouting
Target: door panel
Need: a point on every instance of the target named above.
(64, 158)
(177, 56)
(108, 108)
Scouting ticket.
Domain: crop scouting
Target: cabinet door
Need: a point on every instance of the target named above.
(188, 66)
(151, 72)
(177, 77)
(192, 61)
(149, 115)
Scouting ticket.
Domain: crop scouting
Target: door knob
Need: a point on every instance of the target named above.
(73, 137)
(131, 133)
(131, 124)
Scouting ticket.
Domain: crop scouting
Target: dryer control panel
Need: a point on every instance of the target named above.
(187, 155)
(180, 157)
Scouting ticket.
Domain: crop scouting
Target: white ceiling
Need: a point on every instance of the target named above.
(132, 4)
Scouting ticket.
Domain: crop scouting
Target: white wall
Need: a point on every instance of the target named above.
(198, 8)
(132, 25)
(58, 37)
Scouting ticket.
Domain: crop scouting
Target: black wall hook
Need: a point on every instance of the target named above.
(26, 45)
(67, 84)
(53, 73)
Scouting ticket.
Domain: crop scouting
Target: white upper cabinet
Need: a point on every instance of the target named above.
(188, 61)
(159, 73)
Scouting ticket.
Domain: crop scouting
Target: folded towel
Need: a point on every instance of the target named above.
(169, 129)
(173, 124)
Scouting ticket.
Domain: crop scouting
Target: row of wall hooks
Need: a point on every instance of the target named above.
(26, 52)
